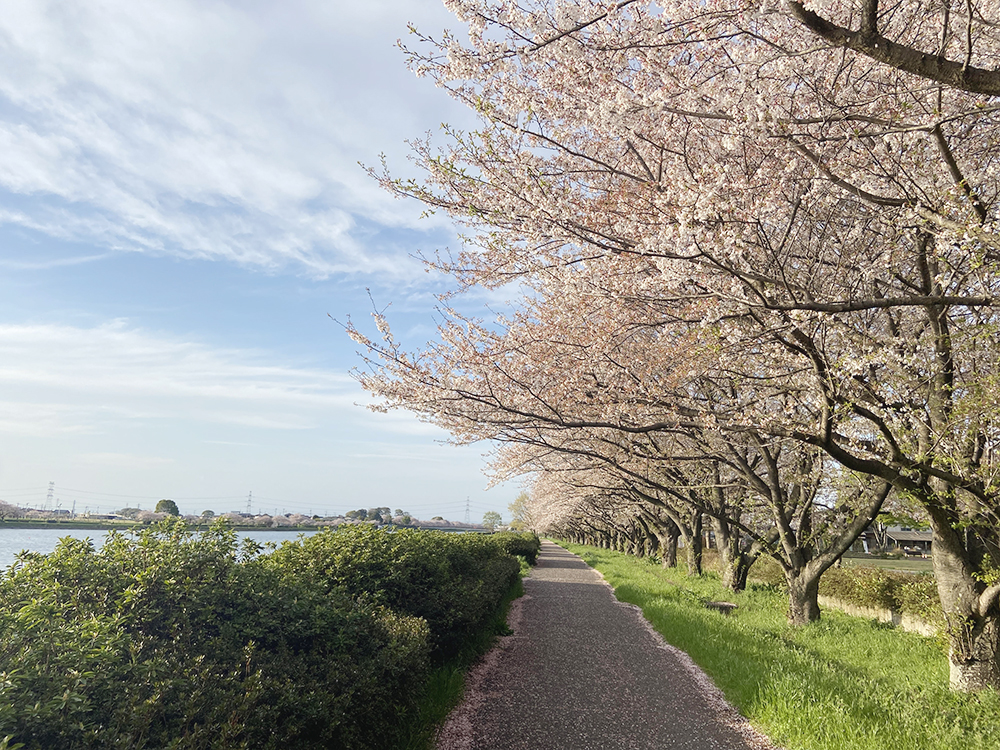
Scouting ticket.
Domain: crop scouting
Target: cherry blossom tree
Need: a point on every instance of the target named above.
(808, 193)
(520, 513)
(579, 384)
(9, 511)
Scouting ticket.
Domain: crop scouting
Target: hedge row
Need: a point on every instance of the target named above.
(453, 582)
(906, 593)
(171, 639)
(520, 544)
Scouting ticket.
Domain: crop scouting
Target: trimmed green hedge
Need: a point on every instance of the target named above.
(906, 593)
(521, 543)
(182, 640)
(452, 581)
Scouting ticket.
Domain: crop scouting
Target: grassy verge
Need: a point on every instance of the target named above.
(446, 684)
(843, 683)
(906, 564)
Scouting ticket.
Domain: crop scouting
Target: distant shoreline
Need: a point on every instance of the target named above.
(52, 523)
(44, 523)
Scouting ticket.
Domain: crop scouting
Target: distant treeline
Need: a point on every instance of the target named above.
(171, 638)
(14, 516)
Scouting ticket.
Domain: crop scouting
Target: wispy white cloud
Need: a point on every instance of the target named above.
(48, 264)
(209, 129)
(73, 379)
(118, 409)
(204, 129)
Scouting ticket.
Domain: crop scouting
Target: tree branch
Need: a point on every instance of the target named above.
(957, 75)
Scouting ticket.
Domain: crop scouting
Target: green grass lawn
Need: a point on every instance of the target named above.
(843, 682)
(906, 564)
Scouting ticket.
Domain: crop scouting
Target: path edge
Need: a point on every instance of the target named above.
(713, 695)
(456, 733)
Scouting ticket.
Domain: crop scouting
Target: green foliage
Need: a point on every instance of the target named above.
(172, 639)
(446, 684)
(906, 593)
(169, 507)
(492, 519)
(524, 544)
(908, 518)
(866, 587)
(453, 581)
(520, 515)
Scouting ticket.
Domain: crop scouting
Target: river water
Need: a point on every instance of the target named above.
(13, 541)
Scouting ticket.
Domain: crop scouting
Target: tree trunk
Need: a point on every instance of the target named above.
(650, 541)
(666, 534)
(735, 562)
(973, 636)
(668, 550)
(972, 653)
(734, 575)
(803, 597)
(693, 545)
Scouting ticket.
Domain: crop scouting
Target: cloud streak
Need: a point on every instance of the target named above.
(67, 380)
(206, 130)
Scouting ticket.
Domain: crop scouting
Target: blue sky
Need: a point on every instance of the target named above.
(181, 207)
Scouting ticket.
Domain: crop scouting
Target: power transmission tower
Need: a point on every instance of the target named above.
(249, 501)
(468, 518)
(48, 497)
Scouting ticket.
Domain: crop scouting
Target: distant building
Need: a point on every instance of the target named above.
(909, 540)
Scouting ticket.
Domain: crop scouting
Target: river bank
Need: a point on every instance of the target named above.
(44, 537)
(76, 523)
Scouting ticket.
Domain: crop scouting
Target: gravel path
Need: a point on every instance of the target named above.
(584, 672)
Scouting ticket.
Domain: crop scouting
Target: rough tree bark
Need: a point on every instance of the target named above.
(970, 609)
(667, 534)
(736, 555)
